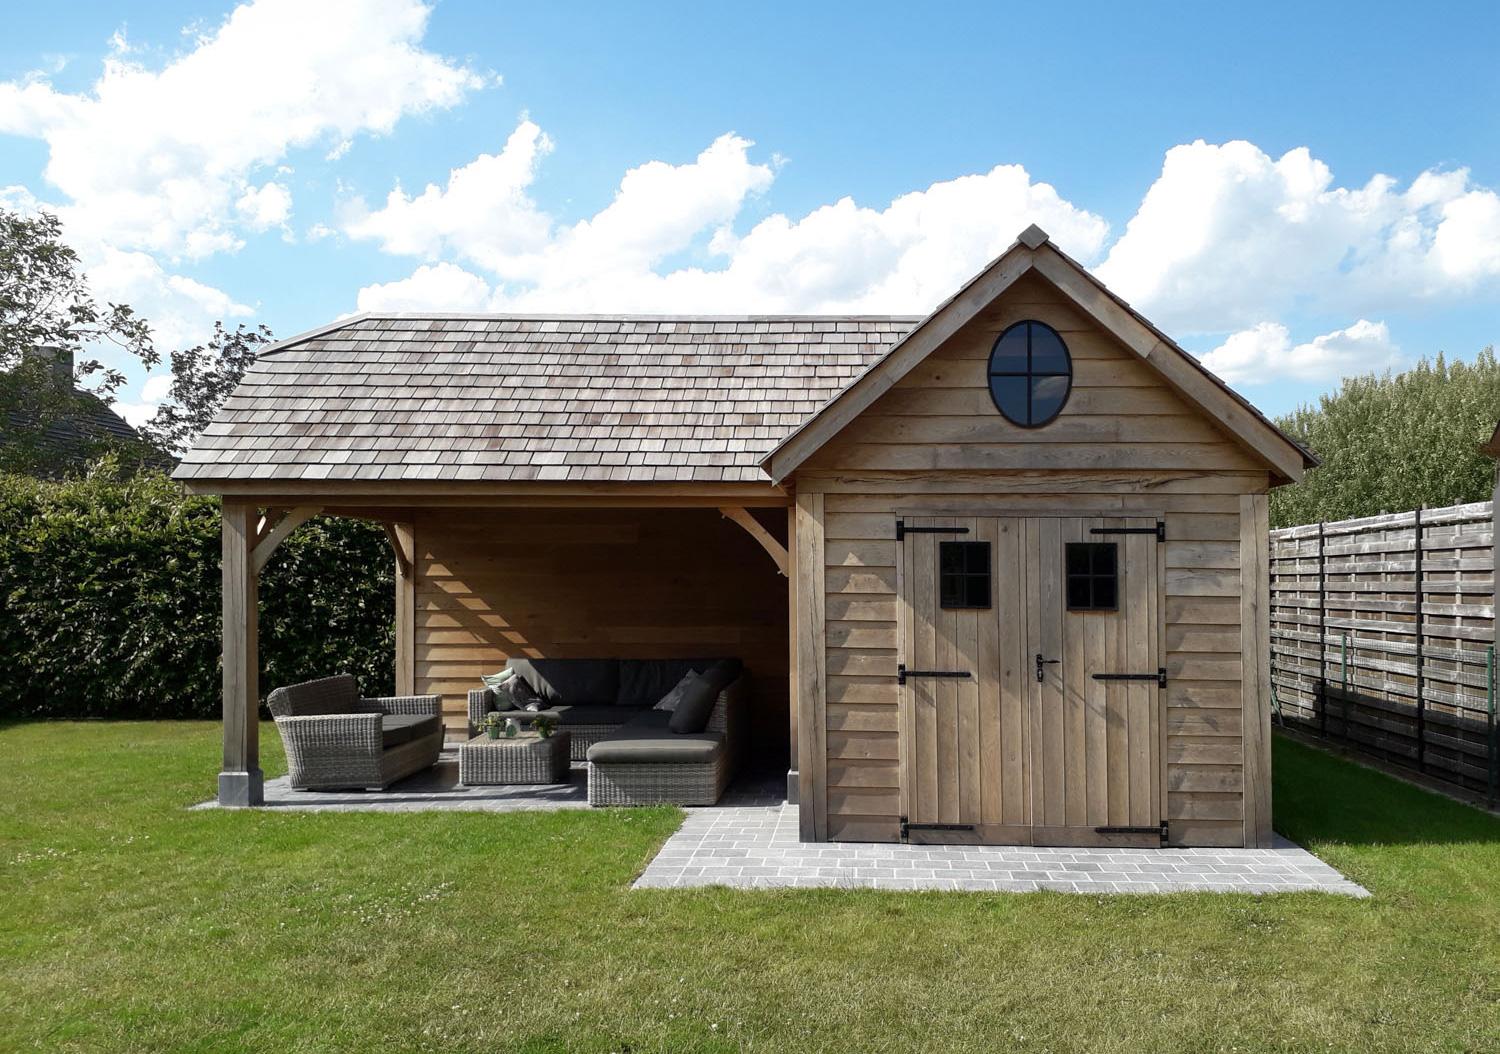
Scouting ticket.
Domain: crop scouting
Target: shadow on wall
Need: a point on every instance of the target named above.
(1320, 797)
(600, 583)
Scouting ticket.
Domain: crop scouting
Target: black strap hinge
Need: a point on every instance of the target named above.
(902, 530)
(1160, 830)
(1160, 530)
(1160, 676)
(907, 827)
(902, 673)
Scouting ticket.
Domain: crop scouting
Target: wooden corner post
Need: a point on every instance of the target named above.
(403, 539)
(1255, 682)
(812, 664)
(240, 780)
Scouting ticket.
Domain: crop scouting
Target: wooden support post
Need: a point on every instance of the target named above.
(756, 530)
(403, 540)
(793, 795)
(1255, 677)
(240, 780)
(812, 664)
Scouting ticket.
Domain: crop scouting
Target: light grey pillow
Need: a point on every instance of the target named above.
(672, 699)
(499, 684)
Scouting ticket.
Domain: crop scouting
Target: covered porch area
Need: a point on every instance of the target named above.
(487, 573)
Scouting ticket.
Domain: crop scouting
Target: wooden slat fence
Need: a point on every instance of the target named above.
(1382, 637)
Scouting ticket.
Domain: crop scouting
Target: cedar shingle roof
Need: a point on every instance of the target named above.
(503, 398)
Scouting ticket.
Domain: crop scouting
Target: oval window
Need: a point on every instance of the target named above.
(1031, 374)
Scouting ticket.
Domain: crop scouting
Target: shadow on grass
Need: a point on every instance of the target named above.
(1320, 797)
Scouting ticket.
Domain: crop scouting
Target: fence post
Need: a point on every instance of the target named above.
(1416, 532)
(1492, 753)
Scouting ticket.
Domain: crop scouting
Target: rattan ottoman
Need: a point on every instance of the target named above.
(526, 758)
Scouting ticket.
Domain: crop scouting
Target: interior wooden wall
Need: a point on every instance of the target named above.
(591, 583)
(1125, 441)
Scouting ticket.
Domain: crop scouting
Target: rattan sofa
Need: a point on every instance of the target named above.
(633, 757)
(336, 740)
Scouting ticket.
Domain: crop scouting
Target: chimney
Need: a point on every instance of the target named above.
(58, 360)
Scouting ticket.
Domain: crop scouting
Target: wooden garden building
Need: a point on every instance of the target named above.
(1000, 573)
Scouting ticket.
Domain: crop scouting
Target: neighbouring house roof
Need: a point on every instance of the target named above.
(509, 398)
(67, 427)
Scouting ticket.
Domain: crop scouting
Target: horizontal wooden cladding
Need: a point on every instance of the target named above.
(1105, 490)
(1083, 454)
(861, 607)
(945, 402)
(1073, 427)
(869, 773)
(862, 745)
(846, 688)
(624, 583)
(943, 372)
(1201, 805)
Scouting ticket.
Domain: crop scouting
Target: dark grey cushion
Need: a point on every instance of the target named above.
(647, 740)
(590, 682)
(644, 681)
(396, 729)
(695, 707)
(595, 715)
(724, 673)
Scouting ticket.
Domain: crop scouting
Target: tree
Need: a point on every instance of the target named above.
(46, 308)
(202, 378)
(1395, 442)
(45, 302)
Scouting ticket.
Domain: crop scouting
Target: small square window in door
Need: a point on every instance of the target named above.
(963, 575)
(1093, 573)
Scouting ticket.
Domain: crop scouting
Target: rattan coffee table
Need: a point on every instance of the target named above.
(526, 758)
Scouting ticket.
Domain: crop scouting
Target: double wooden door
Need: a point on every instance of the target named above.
(1031, 691)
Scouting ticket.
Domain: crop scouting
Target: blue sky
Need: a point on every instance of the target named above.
(1214, 165)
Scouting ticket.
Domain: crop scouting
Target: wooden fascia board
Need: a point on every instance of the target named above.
(417, 493)
(740, 515)
(1182, 374)
(908, 353)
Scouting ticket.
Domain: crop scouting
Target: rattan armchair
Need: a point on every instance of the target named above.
(337, 740)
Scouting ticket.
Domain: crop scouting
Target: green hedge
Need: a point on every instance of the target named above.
(109, 600)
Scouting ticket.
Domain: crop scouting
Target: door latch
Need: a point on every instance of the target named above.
(1040, 662)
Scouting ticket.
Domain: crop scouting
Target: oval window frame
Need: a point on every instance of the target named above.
(1029, 374)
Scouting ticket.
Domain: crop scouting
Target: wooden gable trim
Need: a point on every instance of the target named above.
(909, 352)
(1033, 251)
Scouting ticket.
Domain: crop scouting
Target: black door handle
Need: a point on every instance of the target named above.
(1040, 662)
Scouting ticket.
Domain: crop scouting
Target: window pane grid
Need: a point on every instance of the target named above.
(963, 575)
(1092, 573)
(1029, 392)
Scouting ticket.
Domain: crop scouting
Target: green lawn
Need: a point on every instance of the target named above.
(129, 923)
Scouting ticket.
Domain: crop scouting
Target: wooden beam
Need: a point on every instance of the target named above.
(740, 515)
(812, 665)
(403, 539)
(240, 779)
(278, 534)
(1255, 675)
(401, 546)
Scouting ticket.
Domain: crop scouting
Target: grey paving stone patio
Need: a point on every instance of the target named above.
(438, 790)
(756, 846)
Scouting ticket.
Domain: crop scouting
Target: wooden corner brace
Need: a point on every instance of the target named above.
(268, 535)
(753, 526)
(404, 557)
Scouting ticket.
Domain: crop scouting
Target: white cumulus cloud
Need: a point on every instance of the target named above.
(666, 242)
(156, 159)
(431, 287)
(1265, 352)
(1228, 236)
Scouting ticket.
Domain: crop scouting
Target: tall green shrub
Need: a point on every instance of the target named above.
(110, 600)
(1395, 442)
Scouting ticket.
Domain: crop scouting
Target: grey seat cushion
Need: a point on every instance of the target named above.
(396, 729)
(576, 682)
(646, 740)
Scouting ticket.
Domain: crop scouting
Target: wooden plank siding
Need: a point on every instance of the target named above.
(588, 583)
(1124, 444)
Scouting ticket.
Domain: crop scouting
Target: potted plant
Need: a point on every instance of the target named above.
(492, 723)
(544, 726)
